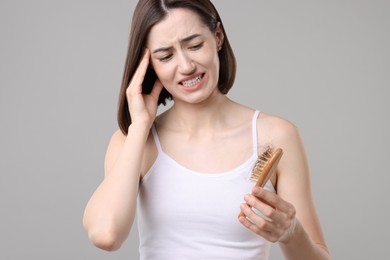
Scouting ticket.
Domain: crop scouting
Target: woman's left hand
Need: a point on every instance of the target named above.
(279, 222)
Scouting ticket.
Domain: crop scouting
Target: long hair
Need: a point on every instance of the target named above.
(148, 13)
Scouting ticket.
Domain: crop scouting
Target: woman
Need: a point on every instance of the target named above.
(187, 170)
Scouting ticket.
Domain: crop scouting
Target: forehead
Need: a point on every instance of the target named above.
(178, 24)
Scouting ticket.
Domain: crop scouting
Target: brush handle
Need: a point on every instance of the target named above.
(267, 172)
(270, 168)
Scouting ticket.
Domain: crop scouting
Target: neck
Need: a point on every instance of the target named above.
(202, 117)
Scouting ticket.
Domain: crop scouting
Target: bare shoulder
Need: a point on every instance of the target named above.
(116, 142)
(276, 131)
(117, 137)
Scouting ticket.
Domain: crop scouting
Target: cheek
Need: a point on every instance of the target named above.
(213, 63)
(212, 59)
(164, 74)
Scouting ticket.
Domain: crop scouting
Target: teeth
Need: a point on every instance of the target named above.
(191, 82)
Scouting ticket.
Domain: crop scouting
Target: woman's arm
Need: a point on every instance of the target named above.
(295, 224)
(110, 212)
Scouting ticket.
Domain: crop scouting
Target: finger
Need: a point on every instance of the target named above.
(140, 72)
(267, 210)
(278, 221)
(272, 206)
(271, 199)
(156, 90)
(255, 219)
(257, 230)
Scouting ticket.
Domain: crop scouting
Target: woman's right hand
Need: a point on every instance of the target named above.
(142, 107)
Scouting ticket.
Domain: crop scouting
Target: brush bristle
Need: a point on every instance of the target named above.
(262, 160)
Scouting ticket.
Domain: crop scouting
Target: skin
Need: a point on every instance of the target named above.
(204, 126)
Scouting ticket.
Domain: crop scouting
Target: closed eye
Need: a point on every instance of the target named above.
(165, 58)
(193, 48)
(196, 46)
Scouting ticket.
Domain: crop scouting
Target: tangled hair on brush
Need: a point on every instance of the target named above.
(148, 13)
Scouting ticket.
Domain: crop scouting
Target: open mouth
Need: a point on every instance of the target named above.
(192, 82)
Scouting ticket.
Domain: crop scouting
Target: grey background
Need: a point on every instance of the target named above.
(324, 65)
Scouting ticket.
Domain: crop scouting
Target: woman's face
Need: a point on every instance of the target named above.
(184, 54)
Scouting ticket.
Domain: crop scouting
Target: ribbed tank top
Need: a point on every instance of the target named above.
(183, 214)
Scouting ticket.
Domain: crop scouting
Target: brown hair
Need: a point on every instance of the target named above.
(148, 13)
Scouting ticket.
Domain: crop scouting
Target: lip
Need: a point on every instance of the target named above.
(190, 77)
(194, 87)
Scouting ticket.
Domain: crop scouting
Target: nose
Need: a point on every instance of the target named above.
(186, 65)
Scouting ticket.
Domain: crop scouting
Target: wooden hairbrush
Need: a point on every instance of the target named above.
(265, 167)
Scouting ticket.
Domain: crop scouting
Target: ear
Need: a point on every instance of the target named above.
(219, 36)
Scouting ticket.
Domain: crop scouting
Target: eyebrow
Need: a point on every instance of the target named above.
(186, 39)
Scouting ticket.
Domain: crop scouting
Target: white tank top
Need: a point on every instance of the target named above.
(183, 214)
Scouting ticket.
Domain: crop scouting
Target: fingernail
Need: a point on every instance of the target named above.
(243, 206)
(246, 197)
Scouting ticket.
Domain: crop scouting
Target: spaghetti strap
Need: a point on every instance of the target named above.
(156, 140)
(254, 132)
